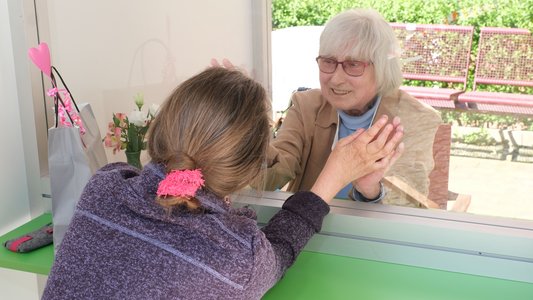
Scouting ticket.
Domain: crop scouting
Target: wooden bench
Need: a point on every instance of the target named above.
(505, 57)
(438, 54)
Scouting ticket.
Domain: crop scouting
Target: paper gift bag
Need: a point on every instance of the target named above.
(70, 171)
(75, 153)
(75, 149)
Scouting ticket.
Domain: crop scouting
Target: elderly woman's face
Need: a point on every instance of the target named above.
(348, 93)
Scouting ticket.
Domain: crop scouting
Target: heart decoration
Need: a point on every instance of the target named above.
(41, 58)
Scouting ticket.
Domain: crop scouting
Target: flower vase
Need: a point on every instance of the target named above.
(134, 158)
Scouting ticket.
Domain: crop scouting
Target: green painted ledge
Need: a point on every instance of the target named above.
(325, 276)
(38, 261)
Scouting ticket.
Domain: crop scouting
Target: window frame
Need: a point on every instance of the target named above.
(458, 242)
(430, 238)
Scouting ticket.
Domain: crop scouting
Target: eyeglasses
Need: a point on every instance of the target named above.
(353, 68)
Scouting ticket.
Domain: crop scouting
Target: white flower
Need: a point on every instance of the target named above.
(137, 118)
(154, 108)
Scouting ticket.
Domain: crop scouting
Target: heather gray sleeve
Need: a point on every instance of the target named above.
(291, 228)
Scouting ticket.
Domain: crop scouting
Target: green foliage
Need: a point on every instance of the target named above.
(480, 138)
(484, 120)
(477, 13)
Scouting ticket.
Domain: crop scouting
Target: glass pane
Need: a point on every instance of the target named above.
(490, 159)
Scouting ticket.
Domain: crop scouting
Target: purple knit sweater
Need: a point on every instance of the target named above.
(122, 245)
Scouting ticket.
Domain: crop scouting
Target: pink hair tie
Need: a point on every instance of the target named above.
(181, 183)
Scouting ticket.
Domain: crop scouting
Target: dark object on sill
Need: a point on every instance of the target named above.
(31, 241)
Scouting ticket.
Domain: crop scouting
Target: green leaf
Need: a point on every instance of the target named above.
(116, 121)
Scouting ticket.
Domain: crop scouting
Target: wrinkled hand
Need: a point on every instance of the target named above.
(360, 154)
(368, 185)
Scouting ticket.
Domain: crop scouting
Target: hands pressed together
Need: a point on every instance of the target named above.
(361, 158)
(369, 185)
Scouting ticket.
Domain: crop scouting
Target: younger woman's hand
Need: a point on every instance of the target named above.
(226, 63)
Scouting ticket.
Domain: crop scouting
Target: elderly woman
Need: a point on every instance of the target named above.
(360, 77)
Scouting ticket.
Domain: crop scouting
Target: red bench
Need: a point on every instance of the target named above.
(435, 53)
(505, 57)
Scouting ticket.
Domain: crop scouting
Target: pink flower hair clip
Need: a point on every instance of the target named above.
(181, 183)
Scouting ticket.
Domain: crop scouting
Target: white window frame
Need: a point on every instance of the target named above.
(458, 242)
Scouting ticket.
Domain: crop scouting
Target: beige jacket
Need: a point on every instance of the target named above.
(303, 143)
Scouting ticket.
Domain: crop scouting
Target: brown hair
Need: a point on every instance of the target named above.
(216, 121)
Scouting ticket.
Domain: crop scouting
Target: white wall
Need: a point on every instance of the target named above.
(107, 51)
(14, 179)
(13, 184)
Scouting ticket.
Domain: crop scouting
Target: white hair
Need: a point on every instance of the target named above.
(363, 34)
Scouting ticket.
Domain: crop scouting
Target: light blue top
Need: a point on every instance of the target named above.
(348, 125)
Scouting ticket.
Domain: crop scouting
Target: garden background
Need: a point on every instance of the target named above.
(480, 130)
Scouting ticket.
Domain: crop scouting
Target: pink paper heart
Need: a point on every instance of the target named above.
(41, 58)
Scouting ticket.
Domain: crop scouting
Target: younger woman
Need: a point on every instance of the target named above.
(169, 232)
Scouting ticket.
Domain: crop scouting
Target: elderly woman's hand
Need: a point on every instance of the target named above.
(359, 155)
(369, 185)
